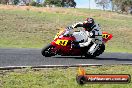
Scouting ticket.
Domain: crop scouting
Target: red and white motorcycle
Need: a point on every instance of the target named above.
(62, 45)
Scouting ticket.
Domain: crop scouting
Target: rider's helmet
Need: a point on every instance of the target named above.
(88, 24)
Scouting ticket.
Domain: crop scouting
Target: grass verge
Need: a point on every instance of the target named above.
(58, 77)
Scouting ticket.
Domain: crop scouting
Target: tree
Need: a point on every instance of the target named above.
(103, 3)
(26, 2)
(4, 1)
(16, 2)
(61, 3)
(122, 5)
(68, 3)
(53, 2)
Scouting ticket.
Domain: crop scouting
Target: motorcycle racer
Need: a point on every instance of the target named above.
(93, 32)
(89, 42)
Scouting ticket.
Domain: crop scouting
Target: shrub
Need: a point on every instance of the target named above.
(33, 3)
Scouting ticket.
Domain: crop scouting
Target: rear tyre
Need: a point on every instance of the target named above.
(88, 55)
(46, 51)
(99, 51)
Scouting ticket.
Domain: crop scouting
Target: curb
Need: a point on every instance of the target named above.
(48, 66)
(56, 66)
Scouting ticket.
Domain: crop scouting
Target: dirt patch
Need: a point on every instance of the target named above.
(31, 8)
(58, 10)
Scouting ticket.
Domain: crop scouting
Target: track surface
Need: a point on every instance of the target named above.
(33, 57)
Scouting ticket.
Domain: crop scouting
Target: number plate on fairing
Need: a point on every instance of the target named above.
(105, 36)
(61, 42)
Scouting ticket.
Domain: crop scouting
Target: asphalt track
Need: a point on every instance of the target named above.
(33, 57)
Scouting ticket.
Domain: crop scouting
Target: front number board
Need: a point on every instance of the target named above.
(62, 42)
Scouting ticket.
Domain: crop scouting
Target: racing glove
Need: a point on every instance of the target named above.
(75, 45)
(69, 28)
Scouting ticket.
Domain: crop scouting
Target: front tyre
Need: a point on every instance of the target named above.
(46, 51)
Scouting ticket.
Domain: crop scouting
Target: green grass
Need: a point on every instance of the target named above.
(35, 29)
(58, 77)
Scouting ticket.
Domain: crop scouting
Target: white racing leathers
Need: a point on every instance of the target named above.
(94, 36)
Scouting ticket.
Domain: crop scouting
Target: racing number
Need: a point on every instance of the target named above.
(105, 36)
(62, 42)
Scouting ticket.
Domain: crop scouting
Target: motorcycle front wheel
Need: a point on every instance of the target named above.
(46, 51)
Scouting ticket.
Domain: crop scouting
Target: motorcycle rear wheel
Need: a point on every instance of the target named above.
(97, 53)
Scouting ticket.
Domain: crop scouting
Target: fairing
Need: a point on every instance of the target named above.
(63, 45)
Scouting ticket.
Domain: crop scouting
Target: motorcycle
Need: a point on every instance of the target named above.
(63, 45)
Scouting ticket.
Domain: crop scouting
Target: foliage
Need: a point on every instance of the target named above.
(68, 3)
(103, 3)
(61, 3)
(53, 2)
(33, 3)
(16, 2)
(122, 5)
(4, 1)
(117, 5)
